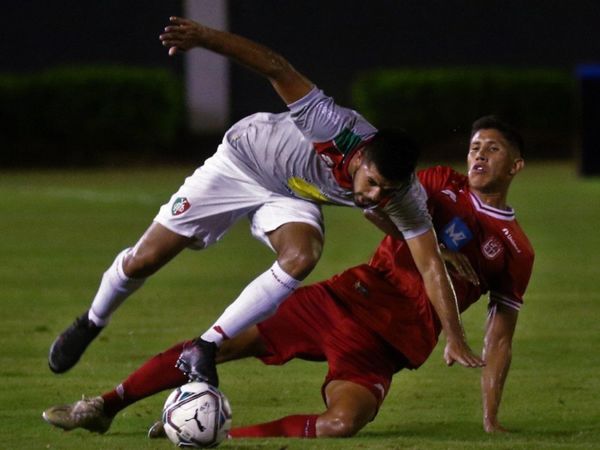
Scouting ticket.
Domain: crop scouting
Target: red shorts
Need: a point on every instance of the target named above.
(312, 325)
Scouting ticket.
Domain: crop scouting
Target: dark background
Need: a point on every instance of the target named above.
(330, 41)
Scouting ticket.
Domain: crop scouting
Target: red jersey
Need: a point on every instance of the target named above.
(388, 294)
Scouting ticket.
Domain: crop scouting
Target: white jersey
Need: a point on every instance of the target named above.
(304, 153)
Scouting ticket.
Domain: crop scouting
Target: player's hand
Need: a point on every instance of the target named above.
(461, 265)
(181, 35)
(382, 221)
(458, 351)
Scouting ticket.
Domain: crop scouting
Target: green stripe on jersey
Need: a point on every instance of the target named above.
(346, 140)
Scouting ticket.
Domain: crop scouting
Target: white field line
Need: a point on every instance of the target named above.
(93, 196)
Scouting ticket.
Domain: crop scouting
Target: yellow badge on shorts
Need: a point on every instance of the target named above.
(306, 190)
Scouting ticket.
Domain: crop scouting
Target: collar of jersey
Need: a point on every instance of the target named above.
(502, 214)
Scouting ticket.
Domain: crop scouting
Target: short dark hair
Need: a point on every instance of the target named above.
(510, 133)
(394, 153)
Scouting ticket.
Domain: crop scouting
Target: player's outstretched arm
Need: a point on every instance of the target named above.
(184, 34)
(426, 254)
(461, 265)
(497, 351)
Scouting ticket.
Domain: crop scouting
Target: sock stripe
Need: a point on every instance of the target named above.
(307, 427)
(220, 330)
(289, 287)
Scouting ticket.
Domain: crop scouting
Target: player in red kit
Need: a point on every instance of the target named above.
(375, 319)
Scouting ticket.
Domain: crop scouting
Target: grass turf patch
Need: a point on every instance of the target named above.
(61, 229)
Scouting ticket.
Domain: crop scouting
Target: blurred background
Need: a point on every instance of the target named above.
(90, 84)
(99, 126)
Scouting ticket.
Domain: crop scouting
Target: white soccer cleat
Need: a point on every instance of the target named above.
(87, 413)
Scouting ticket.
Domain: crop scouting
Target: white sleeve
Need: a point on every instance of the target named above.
(320, 119)
(408, 210)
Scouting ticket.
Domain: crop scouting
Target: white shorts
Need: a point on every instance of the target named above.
(218, 194)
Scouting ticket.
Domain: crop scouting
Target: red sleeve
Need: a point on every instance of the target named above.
(509, 287)
(435, 179)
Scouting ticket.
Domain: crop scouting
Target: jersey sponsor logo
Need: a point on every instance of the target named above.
(511, 239)
(306, 190)
(492, 248)
(456, 234)
(180, 205)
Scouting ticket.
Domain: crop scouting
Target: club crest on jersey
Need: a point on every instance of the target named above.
(180, 205)
(456, 234)
(491, 248)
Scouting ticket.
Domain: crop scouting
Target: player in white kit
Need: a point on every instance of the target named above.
(276, 170)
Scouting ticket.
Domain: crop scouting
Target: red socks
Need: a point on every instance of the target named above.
(159, 373)
(155, 375)
(290, 426)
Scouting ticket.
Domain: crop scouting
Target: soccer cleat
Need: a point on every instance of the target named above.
(157, 430)
(71, 343)
(197, 362)
(87, 413)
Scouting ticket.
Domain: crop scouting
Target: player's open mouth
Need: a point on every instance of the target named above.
(478, 168)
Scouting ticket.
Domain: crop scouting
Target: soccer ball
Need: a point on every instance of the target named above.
(197, 415)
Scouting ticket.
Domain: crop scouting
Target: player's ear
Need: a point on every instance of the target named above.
(355, 161)
(358, 157)
(517, 166)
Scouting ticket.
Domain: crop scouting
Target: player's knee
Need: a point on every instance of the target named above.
(299, 262)
(339, 426)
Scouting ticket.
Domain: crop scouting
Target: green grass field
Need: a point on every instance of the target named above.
(59, 230)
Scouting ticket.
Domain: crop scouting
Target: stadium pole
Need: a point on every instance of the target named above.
(206, 73)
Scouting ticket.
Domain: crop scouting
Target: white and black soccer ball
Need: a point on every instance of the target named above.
(197, 415)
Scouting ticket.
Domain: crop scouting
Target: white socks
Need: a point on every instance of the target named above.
(256, 302)
(114, 288)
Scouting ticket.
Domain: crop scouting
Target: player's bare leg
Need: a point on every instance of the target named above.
(128, 272)
(350, 406)
(157, 246)
(298, 246)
